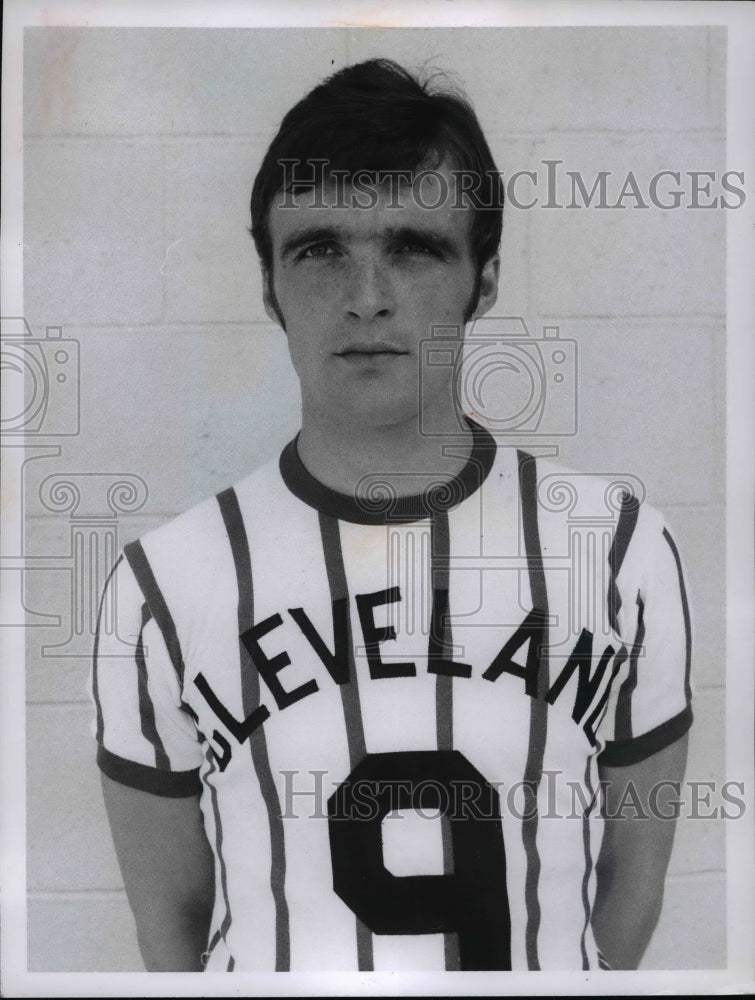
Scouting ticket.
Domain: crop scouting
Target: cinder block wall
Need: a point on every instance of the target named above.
(141, 147)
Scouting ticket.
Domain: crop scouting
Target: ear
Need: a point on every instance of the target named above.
(268, 297)
(488, 286)
(267, 294)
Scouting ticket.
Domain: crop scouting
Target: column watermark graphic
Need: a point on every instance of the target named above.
(93, 503)
(41, 412)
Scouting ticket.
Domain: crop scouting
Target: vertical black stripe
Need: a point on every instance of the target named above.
(685, 612)
(153, 595)
(146, 708)
(226, 921)
(95, 653)
(538, 707)
(211, 947)
(250, 694)
(439, 647)
(352, 711)
(623, 729)
(588, 862)
(336, 572)
(594, 720)
(630, 508)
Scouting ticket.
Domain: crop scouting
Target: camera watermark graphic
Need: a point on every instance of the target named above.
(41, 412)
(510, 381)
(40, 381)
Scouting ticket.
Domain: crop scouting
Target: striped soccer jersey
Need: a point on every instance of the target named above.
(394, 709)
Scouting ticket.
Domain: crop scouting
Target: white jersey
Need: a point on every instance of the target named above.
(394, 712)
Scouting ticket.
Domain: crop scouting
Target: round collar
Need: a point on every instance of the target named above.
(379, 504)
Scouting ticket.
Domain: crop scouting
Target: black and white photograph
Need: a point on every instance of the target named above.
(377, 452)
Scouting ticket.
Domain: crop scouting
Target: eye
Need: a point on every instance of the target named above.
(316, 251)
(413, 246)
(416, 246)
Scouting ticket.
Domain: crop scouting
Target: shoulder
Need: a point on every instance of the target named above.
(193, 525)
(588, 500)
(599, 520)
(190, 554)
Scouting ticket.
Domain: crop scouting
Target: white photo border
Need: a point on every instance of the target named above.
(740, 974)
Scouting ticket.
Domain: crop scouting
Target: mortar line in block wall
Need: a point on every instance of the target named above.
(179, 138)
(696, 508)
(672, 318)
(124, 518)
(83, 705)
(701, 873)
(718, 874)
(68, 895)
(708, 58)
(714, 320)
(586, 133)
(163, 230)
(203, 326)
(263, 138)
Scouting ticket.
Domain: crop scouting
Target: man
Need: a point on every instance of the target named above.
(361, 694)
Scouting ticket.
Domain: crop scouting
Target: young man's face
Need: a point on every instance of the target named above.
(359, 289)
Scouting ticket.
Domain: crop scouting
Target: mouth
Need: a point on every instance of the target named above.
(371, 350)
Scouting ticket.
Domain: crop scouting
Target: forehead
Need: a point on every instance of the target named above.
(366, 204)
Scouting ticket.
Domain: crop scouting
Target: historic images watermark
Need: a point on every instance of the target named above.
(550, 185)
(311, 794)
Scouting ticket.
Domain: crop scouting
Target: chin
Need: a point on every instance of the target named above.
(379, 412)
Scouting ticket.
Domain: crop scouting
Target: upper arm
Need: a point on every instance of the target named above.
(640, 813)
(149, 756)
(646, 732)
(167, 869)
(640, 802)
(161, 845)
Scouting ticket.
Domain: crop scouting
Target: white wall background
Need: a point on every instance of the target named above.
(141, 148)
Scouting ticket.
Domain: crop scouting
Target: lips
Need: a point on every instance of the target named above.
(364, 349)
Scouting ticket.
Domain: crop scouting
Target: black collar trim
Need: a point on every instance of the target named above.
(380, 505)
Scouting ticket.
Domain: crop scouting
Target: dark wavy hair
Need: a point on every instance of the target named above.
(376, 116)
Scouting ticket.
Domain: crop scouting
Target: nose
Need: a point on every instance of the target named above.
(369, 291)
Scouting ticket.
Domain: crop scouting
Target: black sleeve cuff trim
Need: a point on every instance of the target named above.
(620, 753)
(169, 784)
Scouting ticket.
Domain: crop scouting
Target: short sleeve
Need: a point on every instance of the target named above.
(653, 705)
(145, 737)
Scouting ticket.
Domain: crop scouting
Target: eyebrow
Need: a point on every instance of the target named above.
(392, 235)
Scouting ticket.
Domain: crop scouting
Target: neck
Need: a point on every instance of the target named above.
(348, 457)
